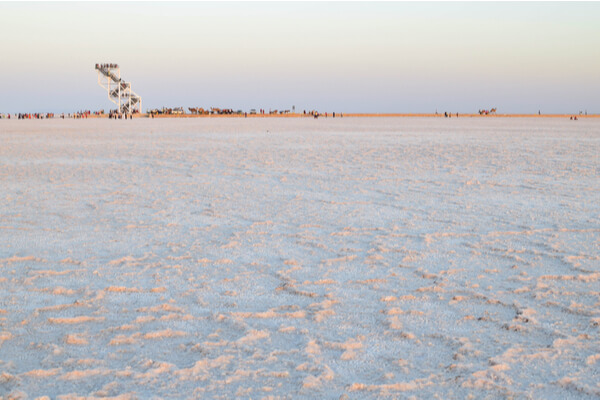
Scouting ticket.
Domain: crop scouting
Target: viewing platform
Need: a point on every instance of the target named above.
(118, 90)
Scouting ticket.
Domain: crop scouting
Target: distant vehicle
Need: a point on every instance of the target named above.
(253, 111)
(178, 111)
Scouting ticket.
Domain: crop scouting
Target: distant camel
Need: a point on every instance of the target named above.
(487, 112)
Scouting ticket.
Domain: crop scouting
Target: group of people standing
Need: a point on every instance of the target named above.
(77, 115)
(317, 114)
(33, 115)
(117, 115)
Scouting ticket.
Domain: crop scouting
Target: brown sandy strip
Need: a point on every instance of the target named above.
(474, 115)
(363, 115)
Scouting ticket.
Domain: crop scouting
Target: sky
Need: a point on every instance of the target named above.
(338, 56)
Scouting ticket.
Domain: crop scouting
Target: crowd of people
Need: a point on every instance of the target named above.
(33, 115)
(76, 115)
(115, 114)
(85, 114)
(316, 114)
(118, 115)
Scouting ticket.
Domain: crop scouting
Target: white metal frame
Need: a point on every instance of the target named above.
(117, 90)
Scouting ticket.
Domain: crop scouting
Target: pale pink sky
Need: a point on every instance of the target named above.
(389, 57)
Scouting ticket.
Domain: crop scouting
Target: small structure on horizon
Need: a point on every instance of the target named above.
(119, 91)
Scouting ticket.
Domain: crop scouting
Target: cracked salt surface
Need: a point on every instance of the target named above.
(300, 258)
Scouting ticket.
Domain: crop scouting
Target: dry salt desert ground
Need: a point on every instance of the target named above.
(352, 258)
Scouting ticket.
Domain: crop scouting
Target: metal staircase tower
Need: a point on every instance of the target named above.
(119, 91)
